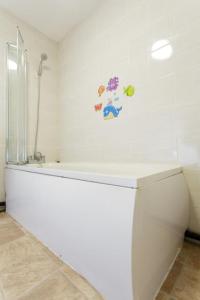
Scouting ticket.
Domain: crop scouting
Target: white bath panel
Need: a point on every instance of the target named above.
(122, 239)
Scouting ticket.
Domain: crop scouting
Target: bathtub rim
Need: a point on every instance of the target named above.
(126, 181)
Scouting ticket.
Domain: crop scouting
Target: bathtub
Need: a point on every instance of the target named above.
(120, 226)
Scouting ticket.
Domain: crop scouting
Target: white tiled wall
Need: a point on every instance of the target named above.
(36, 43)
(162, 122)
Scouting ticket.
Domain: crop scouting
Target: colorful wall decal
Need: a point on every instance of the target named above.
(129, 91)
(113, 84)
(112, 94)
(110, 112)
(101, 90)
(98, 107)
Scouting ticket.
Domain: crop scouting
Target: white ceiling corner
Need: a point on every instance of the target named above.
(54, 18)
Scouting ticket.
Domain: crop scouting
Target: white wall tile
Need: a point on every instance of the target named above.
(161, 123)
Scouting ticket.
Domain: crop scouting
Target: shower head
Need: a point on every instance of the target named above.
(43, 58)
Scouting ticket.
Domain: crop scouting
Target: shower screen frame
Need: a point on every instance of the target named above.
(16, 129)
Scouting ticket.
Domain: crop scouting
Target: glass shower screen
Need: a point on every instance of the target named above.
(16, 102)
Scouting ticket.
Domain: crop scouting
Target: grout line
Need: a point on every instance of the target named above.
(11, 242)
(36, 285)
(43, 280)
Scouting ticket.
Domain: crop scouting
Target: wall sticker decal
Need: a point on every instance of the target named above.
(101, 90)
(113, 98)
(113, 84)
(110, 112)
(98, 107)
(129, 91)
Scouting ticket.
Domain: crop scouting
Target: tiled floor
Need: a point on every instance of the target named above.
(183, 283)
(29, 271)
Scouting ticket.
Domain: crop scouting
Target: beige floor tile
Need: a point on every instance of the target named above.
(81, 283)
(4, 218)
(172, 277)
(187, 286)
(183, 282)
(23, 264)
(56, 287)
(51, 255)
(1, 295)
(190, 255)
(162, 296)
(9, 232)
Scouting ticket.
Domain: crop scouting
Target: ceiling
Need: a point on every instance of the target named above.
(54, 18)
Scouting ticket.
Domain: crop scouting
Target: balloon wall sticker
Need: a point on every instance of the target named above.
(101, 90)
(112, 96)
